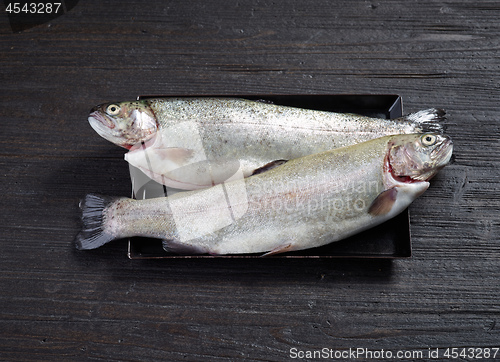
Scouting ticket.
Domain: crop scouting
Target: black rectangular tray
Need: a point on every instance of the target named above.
(390, 240)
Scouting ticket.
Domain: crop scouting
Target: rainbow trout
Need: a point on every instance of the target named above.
(192, 143)
(304, 203)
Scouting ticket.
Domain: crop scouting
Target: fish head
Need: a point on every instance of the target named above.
(125, 123)
(410, 162)
(418, 157)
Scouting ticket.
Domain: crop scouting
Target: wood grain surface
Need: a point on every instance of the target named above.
(57, 303)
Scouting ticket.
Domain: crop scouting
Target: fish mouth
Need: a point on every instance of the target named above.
(443, 152)
(401, 179)
(106, 129)
(442, 156)
(97, 117)
(98, 126)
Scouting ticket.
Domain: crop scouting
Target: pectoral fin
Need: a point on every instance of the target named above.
(384, 202)
(280, 249)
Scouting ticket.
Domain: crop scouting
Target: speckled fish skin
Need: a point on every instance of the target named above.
(304, 203)
(252, 133)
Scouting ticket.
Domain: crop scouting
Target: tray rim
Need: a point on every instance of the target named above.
(394, 110)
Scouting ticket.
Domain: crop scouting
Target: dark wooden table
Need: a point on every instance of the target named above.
(57, 303)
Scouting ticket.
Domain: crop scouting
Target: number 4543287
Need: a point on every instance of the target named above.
(473, 353)
(33, 8)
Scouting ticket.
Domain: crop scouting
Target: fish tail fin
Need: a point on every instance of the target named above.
(428, 120)
(93, 233)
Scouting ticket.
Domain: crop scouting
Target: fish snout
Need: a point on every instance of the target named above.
(97, 116)
(442, 154)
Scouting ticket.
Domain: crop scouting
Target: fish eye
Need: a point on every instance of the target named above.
(428, 139)
(113, 109)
